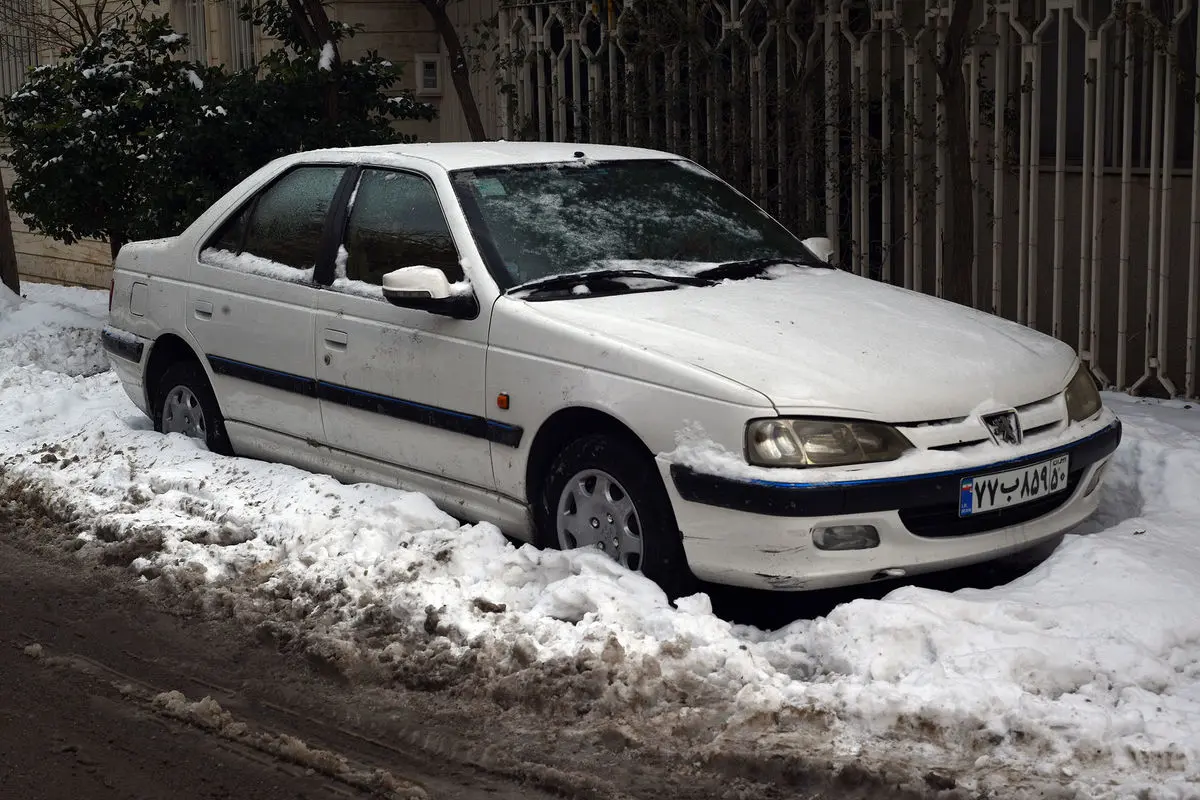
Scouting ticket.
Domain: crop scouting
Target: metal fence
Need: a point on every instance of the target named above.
(1082, 120)
(18, 46)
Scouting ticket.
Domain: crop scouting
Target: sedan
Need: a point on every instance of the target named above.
(608, 348)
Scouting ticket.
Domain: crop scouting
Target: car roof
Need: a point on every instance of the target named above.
(475, 155)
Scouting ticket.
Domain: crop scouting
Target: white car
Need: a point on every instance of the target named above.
(610, 348)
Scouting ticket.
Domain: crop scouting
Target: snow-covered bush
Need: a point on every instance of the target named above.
(125, 139)
(92, 136)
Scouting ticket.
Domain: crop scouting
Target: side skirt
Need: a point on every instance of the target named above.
(468, 503)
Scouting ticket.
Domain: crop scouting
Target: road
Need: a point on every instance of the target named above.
(106, 693)
(83, 671)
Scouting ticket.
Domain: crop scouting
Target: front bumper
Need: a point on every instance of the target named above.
(759, 533)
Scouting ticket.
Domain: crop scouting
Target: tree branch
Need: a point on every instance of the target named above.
(459, 73)
(300, 17)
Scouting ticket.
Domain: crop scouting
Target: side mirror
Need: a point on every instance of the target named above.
(821, 247)
(427, 289)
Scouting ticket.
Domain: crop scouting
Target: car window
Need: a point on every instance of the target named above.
(396, 221)
(288, 219)
(552, 219)
(229, 236)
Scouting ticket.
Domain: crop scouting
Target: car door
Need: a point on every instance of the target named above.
(399, 385)
(251, 302)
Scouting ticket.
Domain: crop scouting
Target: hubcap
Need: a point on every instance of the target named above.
(182, 413)
(594, 510)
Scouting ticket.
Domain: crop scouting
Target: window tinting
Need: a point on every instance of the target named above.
(397, 221)
(229, 236)
(289, 217)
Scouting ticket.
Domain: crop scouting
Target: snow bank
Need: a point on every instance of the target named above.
(55, 329)
(1084, 673)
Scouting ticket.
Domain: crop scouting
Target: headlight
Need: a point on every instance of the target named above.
(821, 443)
(1083, 398)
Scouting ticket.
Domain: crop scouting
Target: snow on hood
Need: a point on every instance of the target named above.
(827, 340)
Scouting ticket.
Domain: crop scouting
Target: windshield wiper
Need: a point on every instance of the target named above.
(570, 279)
(753, 267)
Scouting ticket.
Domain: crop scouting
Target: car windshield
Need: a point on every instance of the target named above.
(662, 216)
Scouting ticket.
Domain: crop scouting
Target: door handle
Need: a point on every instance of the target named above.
(336, 340)
(203, 309)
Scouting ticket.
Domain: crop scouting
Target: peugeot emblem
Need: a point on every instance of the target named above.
(1004, 427)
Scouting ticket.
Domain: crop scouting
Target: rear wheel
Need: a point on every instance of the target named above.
(603, 492)
(184, 403)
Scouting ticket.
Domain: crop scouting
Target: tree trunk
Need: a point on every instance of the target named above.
(313, 23)
(958, 238)
(114, 245)
(459, 72)
(8, 253)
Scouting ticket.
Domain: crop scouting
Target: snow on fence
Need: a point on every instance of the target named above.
(1082, 119)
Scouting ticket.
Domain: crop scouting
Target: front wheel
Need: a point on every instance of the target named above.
(603, 492)
(185, 403)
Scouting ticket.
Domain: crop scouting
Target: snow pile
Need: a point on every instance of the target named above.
(1084, 673)
(57, 332)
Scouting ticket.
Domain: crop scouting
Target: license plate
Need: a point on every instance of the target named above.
(1012, 488)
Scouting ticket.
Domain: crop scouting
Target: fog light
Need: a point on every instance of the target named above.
(1097, 476)
(846, 537)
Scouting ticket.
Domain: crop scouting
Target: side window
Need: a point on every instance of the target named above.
(229, 236)
(289, 217)
(397, 221)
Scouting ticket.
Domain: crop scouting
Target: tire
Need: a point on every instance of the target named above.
(185, 387)
(633, 484)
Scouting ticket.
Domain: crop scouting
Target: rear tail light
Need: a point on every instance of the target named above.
(111, 284)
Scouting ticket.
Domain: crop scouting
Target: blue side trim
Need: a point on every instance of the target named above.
(386, 399)
(420, 413)
(121, 346)
(983, 468)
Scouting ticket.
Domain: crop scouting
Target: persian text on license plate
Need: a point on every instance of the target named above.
(1012, 488)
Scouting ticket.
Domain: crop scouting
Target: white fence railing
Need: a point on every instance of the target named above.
(1082, 119)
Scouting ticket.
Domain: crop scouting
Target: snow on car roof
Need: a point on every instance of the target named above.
(473, 155)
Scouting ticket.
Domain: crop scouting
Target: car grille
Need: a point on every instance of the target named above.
(1045, 417)
(943, 519)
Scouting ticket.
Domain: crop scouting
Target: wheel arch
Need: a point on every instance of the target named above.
(168, 349)
(560, 429)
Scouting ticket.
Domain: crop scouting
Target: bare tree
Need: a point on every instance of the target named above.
(312, 22)
(62, 24)
(460, 74)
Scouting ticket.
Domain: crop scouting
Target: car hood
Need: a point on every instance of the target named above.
(831, 342)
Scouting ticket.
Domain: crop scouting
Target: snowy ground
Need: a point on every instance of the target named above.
(1085, 673)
